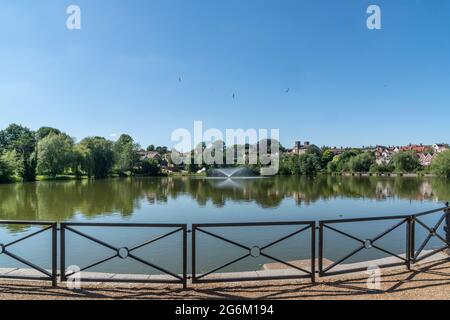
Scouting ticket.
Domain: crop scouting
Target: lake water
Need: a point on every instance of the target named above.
(203, 200)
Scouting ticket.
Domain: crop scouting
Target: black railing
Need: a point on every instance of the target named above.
(414, 252)
(253, 251)
(125, 252)
(432, 232)
(5, 249)
(411, 254)
(364, 244)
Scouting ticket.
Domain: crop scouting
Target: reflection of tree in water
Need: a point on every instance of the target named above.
(62, 200)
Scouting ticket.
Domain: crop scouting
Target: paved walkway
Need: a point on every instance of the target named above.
(430, 280)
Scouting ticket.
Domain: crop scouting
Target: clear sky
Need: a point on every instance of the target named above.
(120, 73)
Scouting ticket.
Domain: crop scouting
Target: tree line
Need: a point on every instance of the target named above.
(323, 161)
(25, 154)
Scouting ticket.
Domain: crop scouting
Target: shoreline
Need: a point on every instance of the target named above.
(84, 178)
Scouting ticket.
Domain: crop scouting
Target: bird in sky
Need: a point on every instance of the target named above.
(287, 90)
(234, 95)
(179, 79)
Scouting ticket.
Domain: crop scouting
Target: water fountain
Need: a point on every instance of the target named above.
(232, 173)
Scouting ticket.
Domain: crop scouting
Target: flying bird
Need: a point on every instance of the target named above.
(179, 79)
(287, 90)
(234, 95)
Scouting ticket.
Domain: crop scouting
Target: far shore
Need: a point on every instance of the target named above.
(185, 174)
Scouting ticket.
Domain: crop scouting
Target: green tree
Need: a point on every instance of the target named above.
(151, 148)
(150, 167)
(381, 168)
(362, 162)
(405, 161)
(81, 160)
(54, 154)
(22, 141)
(332, 166)
(101, 156)
(45, 131)
(161, 150)
(343, 160)
(327, 156)
(310, 164)
(441, 164)
(305, 164)
(10, 166)
(126, 154)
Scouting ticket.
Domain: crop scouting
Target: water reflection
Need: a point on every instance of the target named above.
(62, 200)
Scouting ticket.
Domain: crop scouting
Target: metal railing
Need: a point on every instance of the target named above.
(125, 252)
(46, 274)
(412, 223)
(253, 251)
(364, 244)
(432, 232)
(411, 254)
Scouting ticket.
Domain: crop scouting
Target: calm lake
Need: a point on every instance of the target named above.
(203, 200)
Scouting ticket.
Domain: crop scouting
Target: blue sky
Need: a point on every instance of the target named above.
(120, 72)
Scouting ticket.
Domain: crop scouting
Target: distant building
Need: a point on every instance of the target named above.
(149, 155)
(384, 155)
(425, 160)
(337, 151)
(300, 148)
(415, 148)
(440, 147)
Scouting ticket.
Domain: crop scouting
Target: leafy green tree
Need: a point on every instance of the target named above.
(45, 131)
(126, 154)
(10, 166)
(343, 160)
(101, 156)
(305, 164)
(22, 141)
(381, 168)
(441, 164)
(151, 148)
(362, 162)
(150, 167)
(405, 161)
(54, 154)
(310, 164)
(161, 150)
(327, 156)
(81, 160)
(332, 166)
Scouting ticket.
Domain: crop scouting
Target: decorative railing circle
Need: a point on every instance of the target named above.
(255, 252)
(368, 244)
(123, 252)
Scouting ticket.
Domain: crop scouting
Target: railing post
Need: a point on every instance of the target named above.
(193, 271)
(320, 248)
(412, 239)
(54, 254)
(447, 227)
(408, 243)
(185, 257)
(313, 252)
(62, 266)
